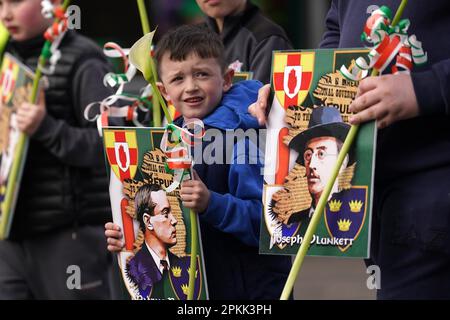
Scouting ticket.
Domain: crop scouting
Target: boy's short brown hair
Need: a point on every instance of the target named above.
(184, 40)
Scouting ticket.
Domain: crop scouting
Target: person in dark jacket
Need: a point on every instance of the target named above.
(226, 195)
(63, 199)
(411, 221)
(247, 35)
(411, 224)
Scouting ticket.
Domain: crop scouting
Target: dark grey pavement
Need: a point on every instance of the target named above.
(332, 278)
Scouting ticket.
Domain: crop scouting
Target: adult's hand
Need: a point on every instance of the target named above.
(258, 109)
(387, 99)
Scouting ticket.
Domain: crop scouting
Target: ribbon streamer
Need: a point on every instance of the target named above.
(106, 108)
(113, 50)
(388, 43)
(47, 9)
(176, 144)
(54, 34)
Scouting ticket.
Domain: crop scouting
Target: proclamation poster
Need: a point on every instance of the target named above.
(155, 261)
(16, 82)
(307, 125)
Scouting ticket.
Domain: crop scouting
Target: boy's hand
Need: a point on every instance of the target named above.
(113, 236)
(30, 116)
(387, 99)
(194, 194)
(258, 109)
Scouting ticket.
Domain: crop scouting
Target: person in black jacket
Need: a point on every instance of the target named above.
(63, 199)
(411, 222)
(247, 35)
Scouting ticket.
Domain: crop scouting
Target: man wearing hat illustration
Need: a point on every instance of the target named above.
(318, 148)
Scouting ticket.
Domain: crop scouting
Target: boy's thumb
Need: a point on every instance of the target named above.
(195, 177)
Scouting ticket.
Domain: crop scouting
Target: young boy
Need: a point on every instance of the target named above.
(227, 196)
(56, 248)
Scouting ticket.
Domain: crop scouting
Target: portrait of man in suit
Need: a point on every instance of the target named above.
(318, 147)
(154, 260)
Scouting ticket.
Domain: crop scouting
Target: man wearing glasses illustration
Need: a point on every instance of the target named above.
(318, 148)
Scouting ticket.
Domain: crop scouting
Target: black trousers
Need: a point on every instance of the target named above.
(67, 264)
(411, 237)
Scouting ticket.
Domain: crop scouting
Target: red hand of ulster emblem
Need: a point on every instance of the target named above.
(292, 82)
(122, 156)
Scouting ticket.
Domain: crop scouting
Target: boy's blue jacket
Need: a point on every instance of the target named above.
(238, 212)
(230, 225)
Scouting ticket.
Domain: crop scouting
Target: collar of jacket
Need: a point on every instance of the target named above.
(232, 23)
(27, 48)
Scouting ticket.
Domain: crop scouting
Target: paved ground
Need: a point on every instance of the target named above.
(331, 278)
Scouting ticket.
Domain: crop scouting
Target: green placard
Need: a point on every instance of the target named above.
(241, 76)
(138, 177)
(307, 125)
(16, 81)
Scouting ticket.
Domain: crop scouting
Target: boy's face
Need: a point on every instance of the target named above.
(194, 85)
(219, 9)
(23, 18)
